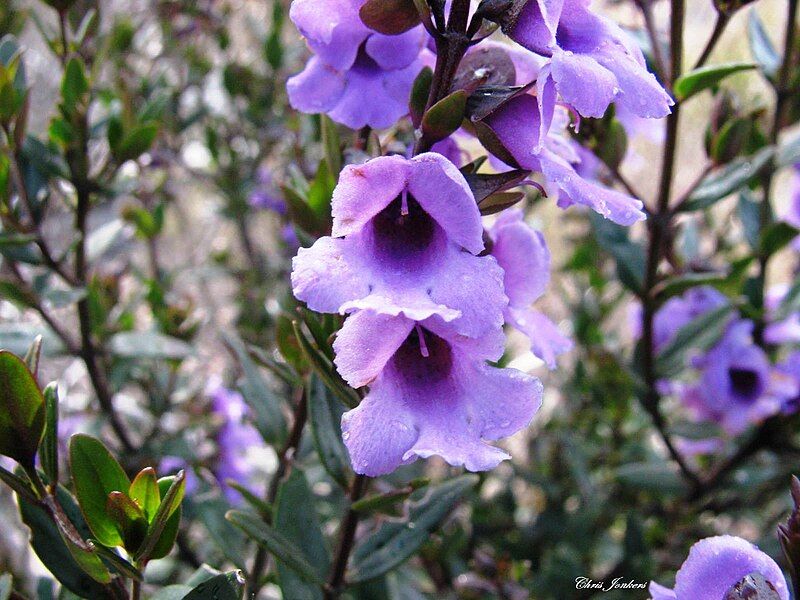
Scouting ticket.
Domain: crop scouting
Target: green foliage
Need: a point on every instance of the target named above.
(22, 411)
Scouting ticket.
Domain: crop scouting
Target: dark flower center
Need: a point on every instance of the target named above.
(403, 228)
(745, 382)
(424, 358)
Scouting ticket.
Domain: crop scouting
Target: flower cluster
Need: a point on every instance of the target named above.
(719, 566)
(736, 383)
(425, 289)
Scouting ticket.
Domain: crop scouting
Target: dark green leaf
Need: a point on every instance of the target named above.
(761, 46)
(419, 95)
(776, 237)
(119, 564)
(49, 545)
(74, 86)
(332, 144)
(728, 180)
(657, 477)
(48, 451)
(700, 334)
(228, 586)
(499, 202)
(705, 77)
(324, 368)
(749, 215)
(296, 518)
(265, 404)
(32, 356)
(95, 474)
(136, 142)
(22, 411)
(444, 117)
(395, 542)
(163, 529)
(228, 539)
(129, 519)
(276, 543)
(325, 414)
(629, 256)
(484, 185)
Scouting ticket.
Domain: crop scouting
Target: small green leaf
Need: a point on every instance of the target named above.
(276, 543)
(95, 474)
(32, 356)
(705, 77)
(324, 368)
(163, 529)
(499, 202)
(296, 518)
(228, 586)
(419, 95)
(48, 450)
(136, 142)
(727, 180)
(776, 237)
(129, 519)
(332, 144)
(395, 542)
(22, 411)
(444, 117)
(266, 406)
(700, 333)
(325, 414)
(144, 491)
(629, 255)
(119, 564)
(74, 86)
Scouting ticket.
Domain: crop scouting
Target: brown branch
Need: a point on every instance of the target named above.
(347, 538)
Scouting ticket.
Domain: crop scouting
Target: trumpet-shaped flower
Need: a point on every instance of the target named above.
(592, 61)
(404, 239)
(717, 564)
(352, 63)
(431, 393)
(522, 253)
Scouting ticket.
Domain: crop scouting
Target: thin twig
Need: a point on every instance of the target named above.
(652, 34)
(719, 28)
(347, 536)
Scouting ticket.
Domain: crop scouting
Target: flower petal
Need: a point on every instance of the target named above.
(317, 88)
(583, 82)
(396, 51)
(332, 28)
(547, 342)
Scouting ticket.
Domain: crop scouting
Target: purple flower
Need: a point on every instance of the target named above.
(404, 239)
(786, 331)
(680, 311)
(518, 125)
(789, 369)
(431, 393)
(172, 464)
(357, 77)
(522, 253)
(592, 61)
(715, 565)
(735, 386)
(264, 195)
(234, 437)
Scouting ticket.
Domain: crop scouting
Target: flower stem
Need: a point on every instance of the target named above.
(347, 538)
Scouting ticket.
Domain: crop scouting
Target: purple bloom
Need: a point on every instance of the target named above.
(680, 311)
(169, 465)
(431, 393)
(357, 77)
(264, 195)
(735, 386)
(234, 437)
(715, 565)
(404, 239)
(522, 253)
(789, 369)
(786, 331)
(519, 127)
(592, 61)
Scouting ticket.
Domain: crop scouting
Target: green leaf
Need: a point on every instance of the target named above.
(269, 418)
(144, 491)
(300, 213)
(320, 191)
(296, 518)
(324, 368)
(629, 256)
(74, 86)
(325, 414)
(444, 117)
(163, 528)
(228, 586)
(776, 237)
(32, 356)
(129, 519)
(761, 46)
(396, 542)
(22, 411)
(137, 141)
(728, 180)
(48, 450)
(148, 344)
(499, 202)
(749, 214)
(657, 477)
(227, 538)
(172, 592)
(705, 77)
(95, 474)
(119, 564)
(276, 543)
(332, 145)
(700, 333)
(419, 95)
(51, 548)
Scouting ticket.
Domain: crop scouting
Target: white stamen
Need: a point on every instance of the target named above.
(423, 348)
(404, 203)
